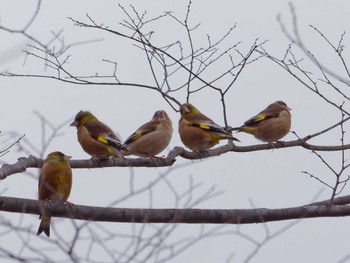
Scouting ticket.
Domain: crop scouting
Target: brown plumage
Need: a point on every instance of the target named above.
(55, 183)
(271, 124)
(151, 138)
(197, 131)
(96, 138)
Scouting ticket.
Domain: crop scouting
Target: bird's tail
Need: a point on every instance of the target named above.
(44, 226)
(118, 148)
(228, 134)
(230, 137)
(124, 151)
(117, 152)
(236, 129)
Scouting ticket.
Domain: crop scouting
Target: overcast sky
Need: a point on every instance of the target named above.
(269, 179)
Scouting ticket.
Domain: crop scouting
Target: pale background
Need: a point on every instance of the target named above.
(270, 179)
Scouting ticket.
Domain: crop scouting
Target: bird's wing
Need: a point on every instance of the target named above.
(144, 129)
(262, 116)
(203, 122)
(103, 133)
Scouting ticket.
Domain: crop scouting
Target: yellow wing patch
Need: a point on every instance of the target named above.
(260, 118)
(202, 126)
(248, 129)
(136, 136)
(101, 139)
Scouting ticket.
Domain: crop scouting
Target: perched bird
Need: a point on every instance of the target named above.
(151, 138)
(96, 138)
(197, 131)
(271, 124)
(55, 183)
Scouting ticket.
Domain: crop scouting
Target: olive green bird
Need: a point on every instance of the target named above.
(95, 137)
(151, 138)
(269, 125)
(55, 183)
(198, 132)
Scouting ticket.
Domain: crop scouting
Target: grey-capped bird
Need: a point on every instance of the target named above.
(198, 132)
(270, 125)
(151, 138)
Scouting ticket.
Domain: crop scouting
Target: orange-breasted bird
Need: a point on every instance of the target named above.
(271, 124)
(55, 183)
(96, 138)
(197, 131)
(151, 138)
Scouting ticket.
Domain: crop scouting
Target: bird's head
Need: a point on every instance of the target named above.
(81, 118)
(188, 108)
(281, 104)
(57, 156)
(160, 114)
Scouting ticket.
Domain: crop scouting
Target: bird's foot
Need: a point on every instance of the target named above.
(202, 154)
(156, 159)
(282, 143)
(272, 145)
(69, 204)
(50, 202)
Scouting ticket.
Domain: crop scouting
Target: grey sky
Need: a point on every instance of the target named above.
(268, 179)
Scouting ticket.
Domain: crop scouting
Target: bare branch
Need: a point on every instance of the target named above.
(33, 162)
(188, 216)
(297, 39)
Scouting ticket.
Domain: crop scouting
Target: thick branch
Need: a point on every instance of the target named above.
(187, 216)
(33, 162)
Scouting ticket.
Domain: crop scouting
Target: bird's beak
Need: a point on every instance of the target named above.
(184, 110)
(74, 123)
(67, 158)
(162, 114)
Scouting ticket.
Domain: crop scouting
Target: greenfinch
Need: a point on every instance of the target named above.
(197, 131)
(55, 183)
(271, 124)
(96, 138)
(151, 138)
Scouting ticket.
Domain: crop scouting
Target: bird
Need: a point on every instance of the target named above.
(96, 138)
(198, 132)
(270, 125)
(55, 183)
(151, 138)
